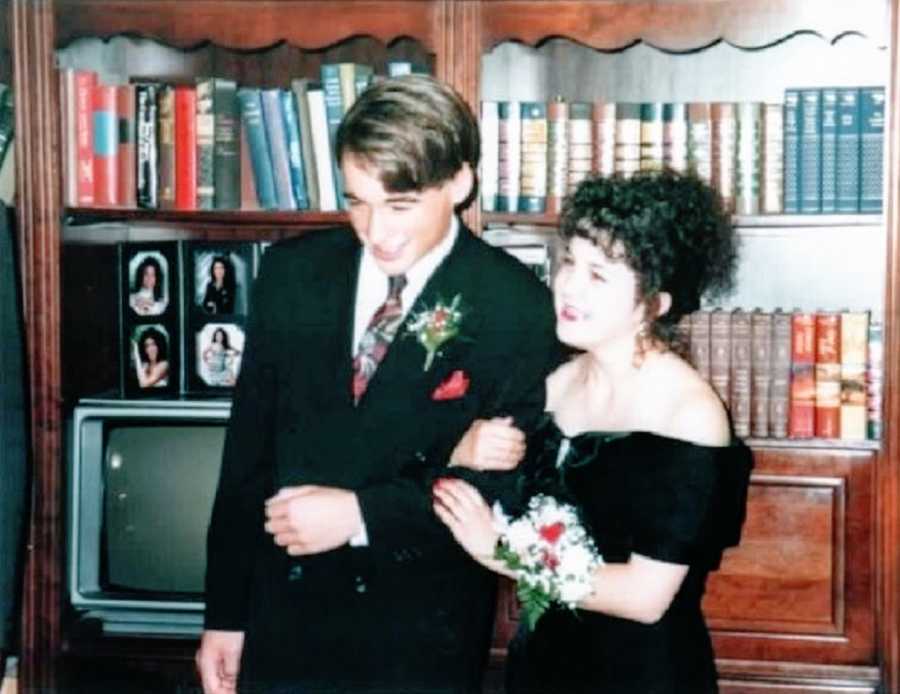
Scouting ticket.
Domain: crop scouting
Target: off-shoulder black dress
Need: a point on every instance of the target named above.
(660, 497)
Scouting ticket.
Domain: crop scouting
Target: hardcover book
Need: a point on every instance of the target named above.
(675, 138)
(699, 152)
(147, 146)
(847, 151)
(828, 375)
(489, 166)
(854, 343)
(126, 192)
(651, 136)
(628, 138)
(829, 150)
(185, 147)
(810, 150)
(699, 343)
(772, 184)
(874, 381)
(300, 87)
(557, 154)
(206, 131)
(533, 175)
(257, 140)
(791, 124)
(166, 134)
(226, 145)
(581, 143)
(871, 157)
(761, 371)
(803, 376)
(106, 145)
(509, 155)
(723, 119)
(294, 148)
(603, 114)
(780, 388)
(749, 150)
(720, 354)
(85, 81)
(741, 355)
(276, 136)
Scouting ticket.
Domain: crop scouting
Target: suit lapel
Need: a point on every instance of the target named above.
(405, 360)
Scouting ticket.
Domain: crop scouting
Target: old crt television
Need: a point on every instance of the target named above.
(141, 480)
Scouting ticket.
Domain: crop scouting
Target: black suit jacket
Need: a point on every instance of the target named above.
(410, 612)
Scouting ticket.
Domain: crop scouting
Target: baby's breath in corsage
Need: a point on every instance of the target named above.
(436, 326)
(550, 552)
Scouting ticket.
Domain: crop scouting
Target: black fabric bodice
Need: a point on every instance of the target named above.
(644, 493)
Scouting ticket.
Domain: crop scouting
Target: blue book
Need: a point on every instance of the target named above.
(847, 164)
(294, 149)
(533, 173)
(334, 111)
(829, 150)
(278, 148)
(791, 151)
(810, 151)
(260, 159)
(871, 149)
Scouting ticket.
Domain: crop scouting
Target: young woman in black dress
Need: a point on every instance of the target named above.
(634, 437)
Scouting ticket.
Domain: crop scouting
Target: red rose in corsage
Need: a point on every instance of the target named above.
(455, 386)
(551, 553)
(434, 327)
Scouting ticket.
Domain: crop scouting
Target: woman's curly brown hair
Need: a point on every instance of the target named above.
(675, 233)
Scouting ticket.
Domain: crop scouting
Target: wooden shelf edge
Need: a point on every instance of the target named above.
(817, 444)
(744, 223)
(298, 218)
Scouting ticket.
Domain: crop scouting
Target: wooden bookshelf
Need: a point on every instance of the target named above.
(841, 498)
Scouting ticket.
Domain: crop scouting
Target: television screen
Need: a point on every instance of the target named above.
(142, 479)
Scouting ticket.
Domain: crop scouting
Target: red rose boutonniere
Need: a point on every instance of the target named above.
(434, 327)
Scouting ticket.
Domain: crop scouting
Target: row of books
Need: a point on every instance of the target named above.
(210, 144)
(7, 147)
(820, 151)
(792, 374)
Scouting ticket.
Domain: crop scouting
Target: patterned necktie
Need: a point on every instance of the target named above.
(377, 338)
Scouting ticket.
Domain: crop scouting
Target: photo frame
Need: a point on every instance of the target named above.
(149, 275)
(218, 349)
(151, 361)
(220, 275)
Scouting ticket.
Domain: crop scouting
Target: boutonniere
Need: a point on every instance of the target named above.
(436, 326)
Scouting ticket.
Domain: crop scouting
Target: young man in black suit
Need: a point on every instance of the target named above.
(369, 356)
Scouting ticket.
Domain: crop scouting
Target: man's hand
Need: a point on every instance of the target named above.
(490, 444)
(311, 519)
(219, 660)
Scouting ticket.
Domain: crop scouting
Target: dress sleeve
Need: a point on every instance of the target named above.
(688, 502)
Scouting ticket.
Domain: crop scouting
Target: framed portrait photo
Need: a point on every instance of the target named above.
(149, 279)
(216, 359)
(151, 360)
(219, 277)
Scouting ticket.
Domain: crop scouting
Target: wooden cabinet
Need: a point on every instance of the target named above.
(809, 601)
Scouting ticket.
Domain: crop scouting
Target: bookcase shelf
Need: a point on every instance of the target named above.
(230, 218)
(744, 223)
(813, 444)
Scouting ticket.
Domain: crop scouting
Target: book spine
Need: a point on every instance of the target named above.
(581, 144)
(318, 119)
(362, 78)
(253, 126)
(810, 151)
(854, 342)
(749, 157)
(829, 150)
(740, 372)
(772, 185)
(185, 147)
(509, 155)
(603, 114)
(871, 158)
(147, 147)
(874, 381)
(780, 389)
(675, 143)
(206, 132)
(166, 113)
(557, 154)
(803, 376)
(720, 354)
(300, 87)
(489, 130)
(847, 151)
(249, 200)
(651, 136)
(724, 151)
(334, 112)
(226, 146)
(85, 81)
(127, 159)
(533, 176)
(791, 168)
(699, 152)
(761, 371)
(828, 375)
(699, 343)
(278, 148)
(295, 153)
(106, 145)
(628, 138)
(69, 136)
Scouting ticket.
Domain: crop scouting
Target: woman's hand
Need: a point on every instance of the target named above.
(465, 512)
(490, 444)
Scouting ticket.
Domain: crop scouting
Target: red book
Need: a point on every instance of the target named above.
(106, 145)
(803, 377)
(127, 181)
(185, 147)
(85, 80)
(828, 375)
